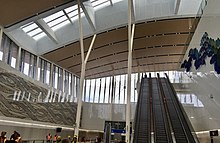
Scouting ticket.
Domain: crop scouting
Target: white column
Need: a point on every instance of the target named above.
(63, 97)
(128, 105)
(22, 98)
(51, 76)
(39, 96)
(15, 95)
(47, 97)
(63, 80)
(18, 58)
(73, 88)
(67, 97)
(1, 34)
(59, 96)
(112, 95)
(50, 97)
(55, 96)
(83, 68)
(138, 82)
(29, 96)
(18, 97)
(36, 76)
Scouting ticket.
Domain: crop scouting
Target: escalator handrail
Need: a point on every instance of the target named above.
(169, 128)
(185, 117)
(137, 119)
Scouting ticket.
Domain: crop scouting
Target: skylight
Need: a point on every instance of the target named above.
(33, 31)
(57, 20)
(98, 4)
(70, 9)
(72, 12)
(60, 19)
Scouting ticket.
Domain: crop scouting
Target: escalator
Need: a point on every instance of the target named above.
(160, 117)
(160, 124)
(142, 124)
(180, 114)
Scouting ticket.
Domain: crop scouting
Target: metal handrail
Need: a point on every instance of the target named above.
(169, 129)
(185, 117)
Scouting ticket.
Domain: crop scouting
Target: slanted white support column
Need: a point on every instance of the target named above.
(130, 43)
(39, 96)
(63, 80)
(67, 97)
(55, 96)
(73, 88)
(59, 96)
(50, 97)
(36, 76)
(83, 68)
(51, 76)
(18, 97)
(47, 97)
(1, 33)
(18, 59)
(138, 82)
(63, 97)
(15, 95)
(22, 98)
(29, 97)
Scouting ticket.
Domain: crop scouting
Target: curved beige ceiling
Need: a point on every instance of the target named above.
(158, 45)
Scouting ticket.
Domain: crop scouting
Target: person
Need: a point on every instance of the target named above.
(48, 138)
(55, 138)
(75, 139)
(69, 138)
(83, 140)
(15, 137)
(3, 137)
(98, 139)
(59, 139)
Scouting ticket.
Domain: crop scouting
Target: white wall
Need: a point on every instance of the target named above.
(207, 118)
(94, 114)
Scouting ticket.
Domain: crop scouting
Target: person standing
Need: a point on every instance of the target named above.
(55, 138)
(48, 138)
(3, 137)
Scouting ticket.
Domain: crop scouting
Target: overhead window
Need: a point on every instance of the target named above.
(33, 30)
(56, 20)
(98, 4)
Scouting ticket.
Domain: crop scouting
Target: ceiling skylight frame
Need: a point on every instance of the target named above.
(96, 3)
(57, 21)
(39, 35)
(33, 30)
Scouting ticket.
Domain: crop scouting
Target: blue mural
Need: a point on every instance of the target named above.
(208, 48)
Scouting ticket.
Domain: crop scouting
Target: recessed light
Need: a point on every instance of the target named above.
(210, 118)
(192, 117)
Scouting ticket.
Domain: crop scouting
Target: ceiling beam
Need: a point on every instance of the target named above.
(176, 6)
(68, 17)
(50, 33)
(111, 2)
(89, 13)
